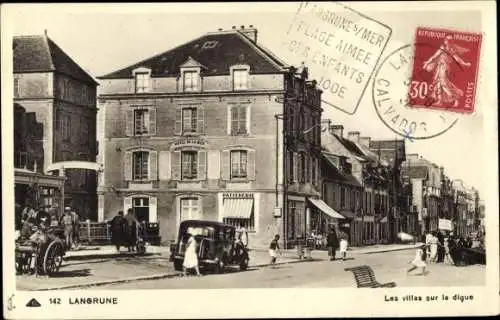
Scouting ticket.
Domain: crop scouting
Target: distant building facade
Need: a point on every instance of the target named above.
(55, 116)
(216, 129)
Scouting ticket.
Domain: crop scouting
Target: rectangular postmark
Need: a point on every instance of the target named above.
(445, 69)
(342, 48)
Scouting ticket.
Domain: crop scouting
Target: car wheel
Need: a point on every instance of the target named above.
(219, 266)
(244, 264)
(178, 265)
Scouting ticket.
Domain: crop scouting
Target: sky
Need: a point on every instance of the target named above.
(104, 39)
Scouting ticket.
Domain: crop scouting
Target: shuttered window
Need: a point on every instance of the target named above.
(239, 120)
(240, 79)
(190, 81)
(189, 165)
(238, 164)
(313, 171)
(140, 165)
(141, 82)
(189, 120)
(141, 121)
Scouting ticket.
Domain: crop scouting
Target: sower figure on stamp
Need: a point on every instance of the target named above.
(333, 243)
(444, 91)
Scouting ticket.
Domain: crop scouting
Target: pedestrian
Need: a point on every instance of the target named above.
(76, 228)
(190, 256)
(117, 228)
(418, 261)
(131, 229)
(343, 245)
(67, 222)
(447, 255)
(433, 247)
(428, 241)
(274, 249)
(242, 235)
(440, 248)
(332, 242)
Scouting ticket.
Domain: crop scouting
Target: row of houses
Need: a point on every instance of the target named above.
(218, 128)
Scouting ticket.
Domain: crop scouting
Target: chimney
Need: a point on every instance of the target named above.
(337, 129)
(249, 32)
(365, 141)
(353, 136)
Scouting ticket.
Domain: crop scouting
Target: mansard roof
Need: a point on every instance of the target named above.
(217, 52)
(40, 54)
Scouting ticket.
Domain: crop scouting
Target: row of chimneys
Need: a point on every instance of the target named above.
(353, 136)
(250, 32)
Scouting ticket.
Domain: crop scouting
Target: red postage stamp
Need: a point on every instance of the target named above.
(445, 67)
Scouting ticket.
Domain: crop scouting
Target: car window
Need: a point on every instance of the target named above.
(200, 231)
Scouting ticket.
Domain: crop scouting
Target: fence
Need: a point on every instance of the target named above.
(99, 232)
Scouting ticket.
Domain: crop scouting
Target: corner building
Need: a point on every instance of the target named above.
(197, 133)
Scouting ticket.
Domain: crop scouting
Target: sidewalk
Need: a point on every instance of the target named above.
(98, 265)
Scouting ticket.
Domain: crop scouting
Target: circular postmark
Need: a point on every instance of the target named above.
(394, 86)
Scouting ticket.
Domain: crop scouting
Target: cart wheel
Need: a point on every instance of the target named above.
(53, 257)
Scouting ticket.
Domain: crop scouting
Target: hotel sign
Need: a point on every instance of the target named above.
(190, 141)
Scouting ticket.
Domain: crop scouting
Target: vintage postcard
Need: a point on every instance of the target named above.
(249, 160)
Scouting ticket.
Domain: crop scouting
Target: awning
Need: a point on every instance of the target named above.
(348, 214)
(238, 208)
(321, 205)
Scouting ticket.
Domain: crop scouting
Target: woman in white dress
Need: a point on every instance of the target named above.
(190, 256)
(343, 245)
(418, 261)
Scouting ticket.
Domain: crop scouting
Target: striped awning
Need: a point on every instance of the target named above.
(321, 205)
(238, 208)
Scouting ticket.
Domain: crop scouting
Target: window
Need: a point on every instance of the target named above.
(66, 127)
(84, 127)
(16, 87)
(240, 79)
(302, 167)
(140, 166)
(189, 165)
(313, 171)
(141, 121)
(238, 120)
(189, 120)
(291, 168)
(238, 164)
(20, 159)
(342, 197)
(353, 200)
(141, 208)
(190, 209)
(141, 82)
(190, 81)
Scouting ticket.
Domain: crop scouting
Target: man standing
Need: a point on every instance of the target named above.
(76, 228)
(332, 242)
(67, 222)
(117, 225)
(131, 228)
(242, 235)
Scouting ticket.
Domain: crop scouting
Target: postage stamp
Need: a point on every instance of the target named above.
(392, 99)
(445, 70)
(342, 48)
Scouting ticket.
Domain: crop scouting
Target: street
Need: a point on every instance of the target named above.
(388, 266)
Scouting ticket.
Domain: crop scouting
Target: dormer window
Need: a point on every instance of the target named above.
(142, 78)
(240, 77)
(190, 80)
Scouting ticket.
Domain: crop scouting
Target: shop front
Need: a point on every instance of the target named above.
(324, 218)
(37, 190)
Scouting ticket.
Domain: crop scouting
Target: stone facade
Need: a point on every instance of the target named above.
(201, 142)
(59, 102)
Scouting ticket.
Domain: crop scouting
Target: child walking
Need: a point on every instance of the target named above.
(343, 245)
(418, 261)
(274, 248)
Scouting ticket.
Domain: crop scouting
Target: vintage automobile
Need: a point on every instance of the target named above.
(217, 246)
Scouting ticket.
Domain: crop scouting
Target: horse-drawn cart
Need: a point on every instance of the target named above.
(41, 254)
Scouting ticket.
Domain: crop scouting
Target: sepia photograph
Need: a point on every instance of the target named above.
(304, 146)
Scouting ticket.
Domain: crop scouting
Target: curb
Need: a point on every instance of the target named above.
(151, 277)
(389, 250)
